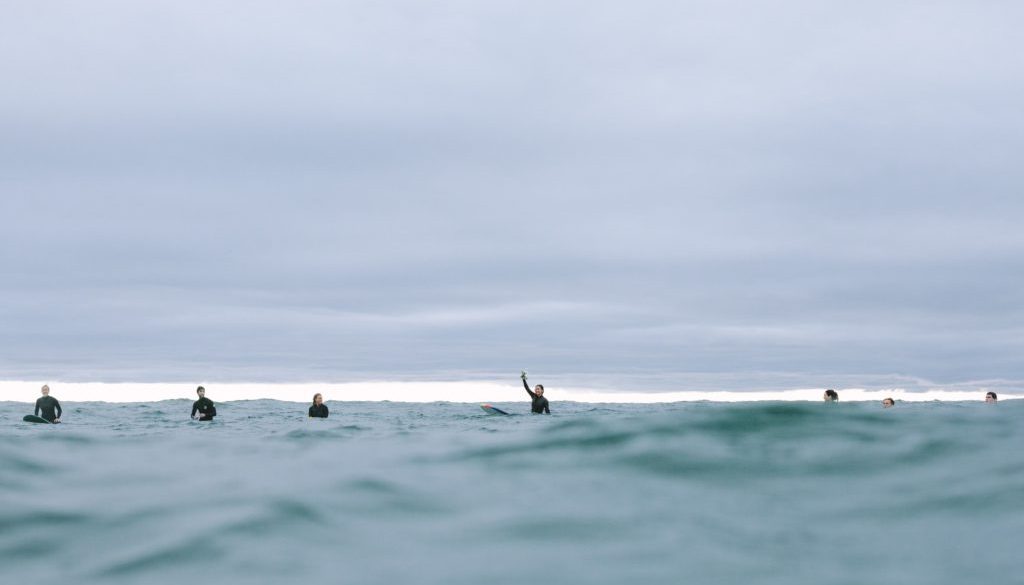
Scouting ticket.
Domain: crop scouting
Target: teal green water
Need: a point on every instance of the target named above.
(777, 493)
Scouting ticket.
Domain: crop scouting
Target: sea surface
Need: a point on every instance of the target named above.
(391, 493)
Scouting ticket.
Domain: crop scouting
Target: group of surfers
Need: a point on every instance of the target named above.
(833, 396)
(203, 409)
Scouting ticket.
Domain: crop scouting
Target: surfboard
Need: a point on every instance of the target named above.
(35, 419)
(492, 410)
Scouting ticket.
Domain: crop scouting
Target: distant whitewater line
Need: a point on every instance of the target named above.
(456, 391)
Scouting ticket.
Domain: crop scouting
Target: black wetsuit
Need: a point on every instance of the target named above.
(540, 404)
(47, 405)
(205, 408)
(318, 411)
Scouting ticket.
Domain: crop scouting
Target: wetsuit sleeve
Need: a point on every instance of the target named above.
(311, 411)
(56, 404)
(546, 409)
(37, 406)
(326, 411)
(213, 411)
(195, 407)
(527, 386)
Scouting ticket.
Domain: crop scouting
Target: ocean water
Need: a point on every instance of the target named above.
(776, 493)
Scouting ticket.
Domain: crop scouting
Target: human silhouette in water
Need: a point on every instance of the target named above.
(48, 406)
(319, 409)
(204, 406)
(540, 404)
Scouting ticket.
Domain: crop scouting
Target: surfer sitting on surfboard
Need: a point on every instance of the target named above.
(204, 406)
(49, 406)
(319, 409)
(540, 404)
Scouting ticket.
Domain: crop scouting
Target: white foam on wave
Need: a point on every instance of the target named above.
(456, 391)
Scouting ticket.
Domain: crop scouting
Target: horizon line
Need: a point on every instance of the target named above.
(461, 392)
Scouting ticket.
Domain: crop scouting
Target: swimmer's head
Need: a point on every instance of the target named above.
(991, 397)
(831, 395)
(888, 402)
(45, 390)
(201, 391)
(318, 399)
(539, 390)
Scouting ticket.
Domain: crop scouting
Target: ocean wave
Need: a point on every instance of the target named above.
(385, 493)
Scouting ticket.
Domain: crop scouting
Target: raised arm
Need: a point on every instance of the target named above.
(527, 386)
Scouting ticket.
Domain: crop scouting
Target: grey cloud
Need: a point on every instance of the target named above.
(669, 194)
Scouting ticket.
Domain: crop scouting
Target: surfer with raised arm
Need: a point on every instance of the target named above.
(204, 406)
(540, 404)
(48, 406)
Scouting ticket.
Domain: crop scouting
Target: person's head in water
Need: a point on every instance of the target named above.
(318, 399)
(888, 402)
(201, 392)
(45, 390)
(831, 395)
(538, 390)
(991, 397)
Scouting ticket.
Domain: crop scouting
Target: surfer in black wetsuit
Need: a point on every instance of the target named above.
(540, 404)
(204, 406)
(49, 406)
(319, 409)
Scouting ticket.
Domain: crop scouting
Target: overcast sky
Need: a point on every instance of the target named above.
(659, 195)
